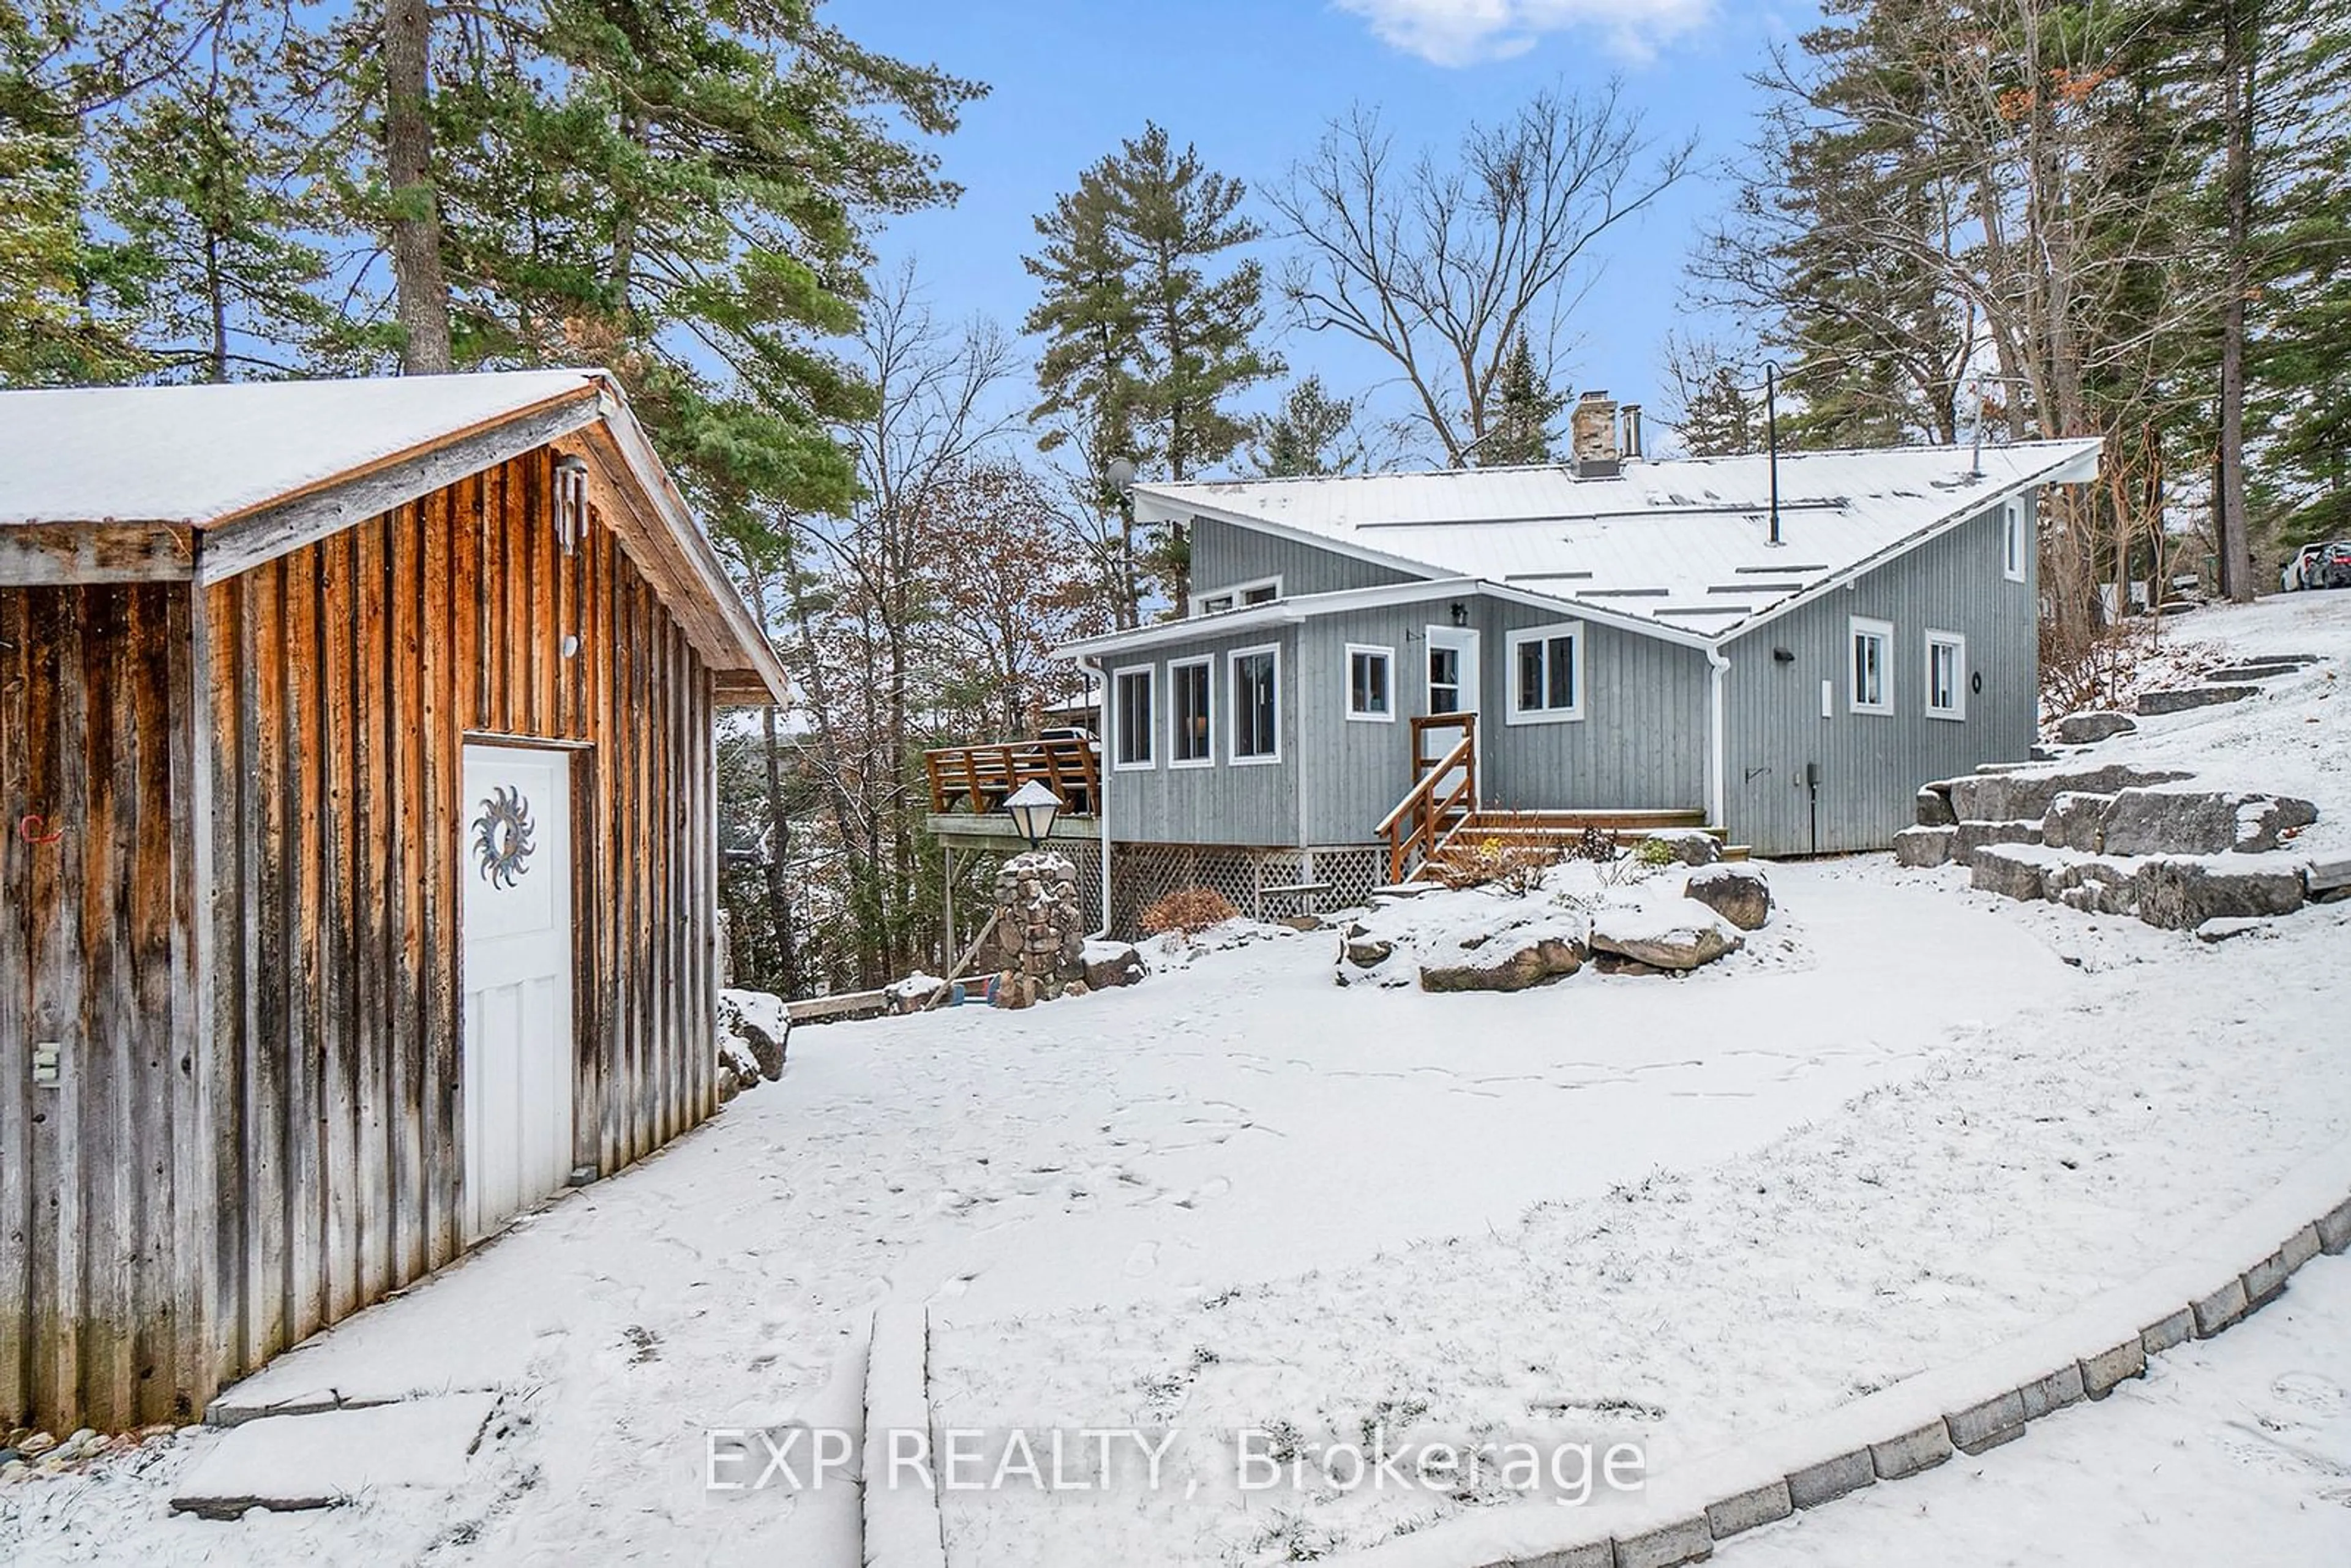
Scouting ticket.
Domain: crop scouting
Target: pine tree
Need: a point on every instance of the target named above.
(205, 189)
(681, 192)
(60, 63)
(1145, 348)
(1518, 430)
(1310, 434)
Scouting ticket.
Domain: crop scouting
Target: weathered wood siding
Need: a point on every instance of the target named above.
(103, 1189)
(1872, 764)
(299, 1050)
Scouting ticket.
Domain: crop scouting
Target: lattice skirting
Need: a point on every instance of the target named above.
(1263, 884)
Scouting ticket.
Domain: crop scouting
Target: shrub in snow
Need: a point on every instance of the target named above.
(1490, 863)
(1188, 910)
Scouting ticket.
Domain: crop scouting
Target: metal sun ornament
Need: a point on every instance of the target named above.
(502, 836)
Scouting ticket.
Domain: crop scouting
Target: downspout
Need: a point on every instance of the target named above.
(1102, 788)
(1719, 664)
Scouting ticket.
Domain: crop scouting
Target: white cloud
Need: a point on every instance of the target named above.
(1466, 32)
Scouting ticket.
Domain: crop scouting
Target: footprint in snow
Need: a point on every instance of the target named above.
(1143, 1260)
(2312, 1393)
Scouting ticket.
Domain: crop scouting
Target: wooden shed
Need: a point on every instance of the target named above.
(358, 883)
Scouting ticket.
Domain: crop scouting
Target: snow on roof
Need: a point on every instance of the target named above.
(1681, 544)
(201, 455)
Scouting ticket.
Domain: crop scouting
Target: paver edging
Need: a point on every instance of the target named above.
(1980, 1402)
(901, 1524)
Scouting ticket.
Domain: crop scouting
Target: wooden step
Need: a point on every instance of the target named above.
(1577, 821)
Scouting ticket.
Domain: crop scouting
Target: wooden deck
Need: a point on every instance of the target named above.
(977, 779)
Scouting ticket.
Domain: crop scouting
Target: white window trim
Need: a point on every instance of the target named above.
(1855, 626)
(1347, 678)
(1206, 662)
(1235, 594)
(1118, 718)
(2012, 541)
(1571, 630)
(1959, 674)
(1233, 707)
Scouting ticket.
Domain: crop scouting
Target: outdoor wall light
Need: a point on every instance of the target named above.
(570, 500)
(1783, 655)
(1461, 613)
(1032, 809)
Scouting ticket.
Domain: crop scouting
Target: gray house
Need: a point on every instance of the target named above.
(1371, 664)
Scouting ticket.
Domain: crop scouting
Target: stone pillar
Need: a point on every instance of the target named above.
(1039, 947)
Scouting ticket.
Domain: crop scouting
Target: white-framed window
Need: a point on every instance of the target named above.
(1238, 595)
(1370, 683)
(1191, 729)
(1256, 705)
(1130, 717)
(1547, 673)
(1866, 690)
(2014, 540)
(1946, 674)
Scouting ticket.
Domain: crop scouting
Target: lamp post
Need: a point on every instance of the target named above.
(1032, 809)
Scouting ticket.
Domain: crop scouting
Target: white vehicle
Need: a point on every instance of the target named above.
(2296, 572)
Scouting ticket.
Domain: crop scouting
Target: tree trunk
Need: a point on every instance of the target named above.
(2237, 71)
(421, 289)
(780, 844)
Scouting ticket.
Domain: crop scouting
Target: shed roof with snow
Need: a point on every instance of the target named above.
(174, 483)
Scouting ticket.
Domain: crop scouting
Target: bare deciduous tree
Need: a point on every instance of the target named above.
(1441, 266)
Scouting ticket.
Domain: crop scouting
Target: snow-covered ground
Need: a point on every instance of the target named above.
(2234, 1450)
(1905, 1119)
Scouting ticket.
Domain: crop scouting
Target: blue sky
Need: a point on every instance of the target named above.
(1253, 83)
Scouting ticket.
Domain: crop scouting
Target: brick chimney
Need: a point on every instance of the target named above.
(1592, 436)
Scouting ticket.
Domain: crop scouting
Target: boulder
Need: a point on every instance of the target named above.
(2187, 697)
(2007, 798)
(2093, 887)
(1508, 962)
(1922, 846)
(1667, 937)
(1690, 846)
(1015, 990)
(1110, 963)
(1360, 946)
(2181, 894)
(1971, 836)
(1934, 807)
(2092, 725)
(1999, 868)
(2200, 822)
(1738, 893)
(766, 1036)
(2076, 820)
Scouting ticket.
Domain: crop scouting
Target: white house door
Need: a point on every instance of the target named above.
(515, 865)
(1452, 687)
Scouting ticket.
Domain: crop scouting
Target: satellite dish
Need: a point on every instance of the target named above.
(1120, 475)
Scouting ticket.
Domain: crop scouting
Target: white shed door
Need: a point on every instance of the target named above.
(515, 865)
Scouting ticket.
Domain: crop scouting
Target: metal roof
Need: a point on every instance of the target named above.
(1680, 546)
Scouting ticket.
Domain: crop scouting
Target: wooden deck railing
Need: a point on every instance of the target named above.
(976, 778)
(1443, 794)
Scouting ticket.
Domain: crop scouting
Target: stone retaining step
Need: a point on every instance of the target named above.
(2179, 701)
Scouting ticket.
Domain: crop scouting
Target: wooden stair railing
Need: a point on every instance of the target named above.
(1425, 818)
